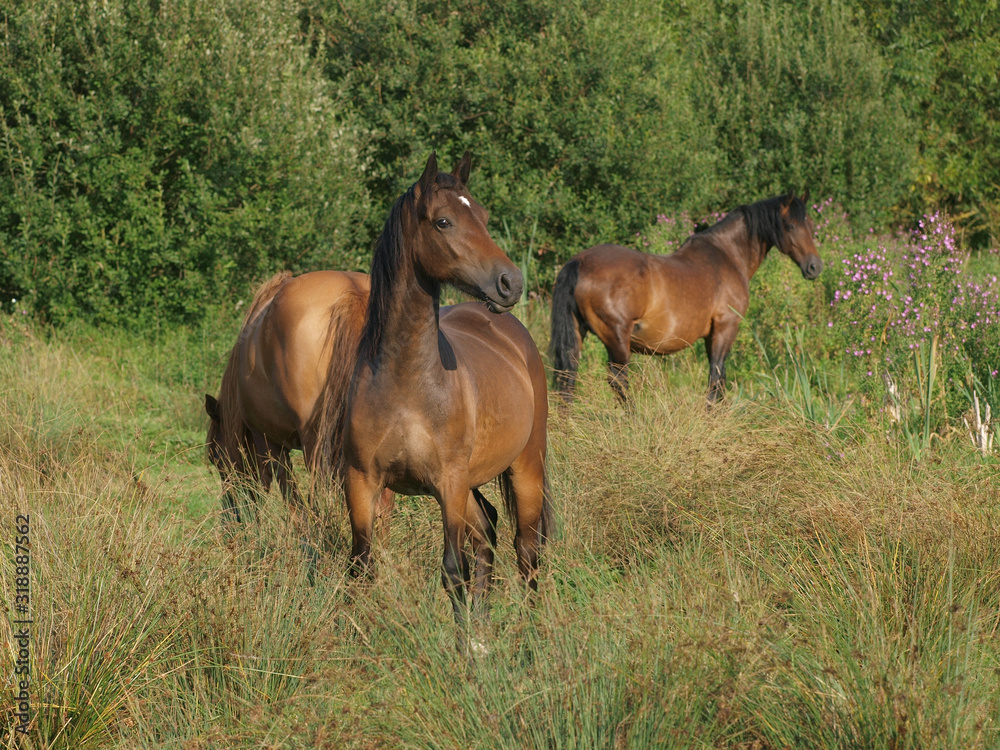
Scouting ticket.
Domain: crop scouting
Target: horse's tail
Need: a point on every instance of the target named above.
(264, 294)
(564, 344)
(347, 320)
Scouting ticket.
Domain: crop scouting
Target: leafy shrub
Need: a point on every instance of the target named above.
(942, 57)
(160, 157)
(578, 113)
(798, 98)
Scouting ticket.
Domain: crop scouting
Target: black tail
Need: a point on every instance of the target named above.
(567, 333)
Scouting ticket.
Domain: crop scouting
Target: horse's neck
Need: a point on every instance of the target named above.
(749, 252)
(408, 346)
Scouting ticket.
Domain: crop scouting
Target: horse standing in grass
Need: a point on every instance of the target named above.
(443, 401)
(656, 304)
(275, 386)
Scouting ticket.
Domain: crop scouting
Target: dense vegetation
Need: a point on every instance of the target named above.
(813, 563)
(158, 158)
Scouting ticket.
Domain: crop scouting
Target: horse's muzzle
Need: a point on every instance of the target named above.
(509, 286)
(812, 268)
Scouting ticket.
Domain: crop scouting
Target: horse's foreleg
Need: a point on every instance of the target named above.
(454, 498)
(481, 519)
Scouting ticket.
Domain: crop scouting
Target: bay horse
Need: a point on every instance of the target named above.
(660, 304)
(275, 387)
(444, 400)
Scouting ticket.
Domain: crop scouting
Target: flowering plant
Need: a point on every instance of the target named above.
(895, 299)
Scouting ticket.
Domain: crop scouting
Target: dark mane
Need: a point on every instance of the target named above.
(763, 219)
(389, 258)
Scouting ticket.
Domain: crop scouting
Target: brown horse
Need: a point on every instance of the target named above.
(655, 304)
(443, 401)
(275, 386)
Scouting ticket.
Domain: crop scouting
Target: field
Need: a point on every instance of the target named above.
(793, 568)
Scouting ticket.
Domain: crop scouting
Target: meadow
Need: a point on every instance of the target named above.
(812, 563)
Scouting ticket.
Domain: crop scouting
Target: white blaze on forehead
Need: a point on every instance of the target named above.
(464, 200)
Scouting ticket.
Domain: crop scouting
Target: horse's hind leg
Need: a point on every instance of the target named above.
(619, 352)
(281, 464)
(281, 467)
(524, 489)
(717, 345)
(481, 525)
(383, 512)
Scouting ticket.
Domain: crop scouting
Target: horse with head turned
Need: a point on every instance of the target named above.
(656, 304)
(444, 400)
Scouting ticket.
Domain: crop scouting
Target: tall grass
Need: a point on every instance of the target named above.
(740, 577)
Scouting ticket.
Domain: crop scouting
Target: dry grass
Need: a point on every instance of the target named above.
(733, 578)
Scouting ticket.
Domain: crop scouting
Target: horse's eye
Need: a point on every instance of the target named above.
(442, 223)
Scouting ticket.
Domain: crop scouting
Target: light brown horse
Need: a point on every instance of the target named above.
(655, 304)
(443, 401)
(275, 386)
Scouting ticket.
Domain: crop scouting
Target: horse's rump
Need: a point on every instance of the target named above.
(230, 428)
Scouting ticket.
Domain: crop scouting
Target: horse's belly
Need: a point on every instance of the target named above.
(663, 337)
(497, 447)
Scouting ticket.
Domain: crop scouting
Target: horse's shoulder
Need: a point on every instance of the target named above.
(474, 317)
(471, 322)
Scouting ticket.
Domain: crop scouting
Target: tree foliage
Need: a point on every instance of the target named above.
(160, 156)
(157, 157)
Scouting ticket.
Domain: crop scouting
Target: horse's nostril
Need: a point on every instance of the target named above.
(504, 284)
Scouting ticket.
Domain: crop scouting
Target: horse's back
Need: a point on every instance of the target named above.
(664, 302)
(612, 277)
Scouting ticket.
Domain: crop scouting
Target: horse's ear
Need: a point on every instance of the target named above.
(805, 196)
(429, 176)
(463, 169)
(786, 201)
(212, 407)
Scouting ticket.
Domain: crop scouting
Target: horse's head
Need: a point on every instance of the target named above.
(797, 242)
(454, 246)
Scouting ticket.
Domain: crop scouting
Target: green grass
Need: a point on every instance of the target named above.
(750, 576)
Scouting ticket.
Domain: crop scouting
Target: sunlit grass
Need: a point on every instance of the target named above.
(740, 576)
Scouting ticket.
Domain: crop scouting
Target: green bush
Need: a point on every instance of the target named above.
(943, 58)
(798, 98)
(578, 113)
(161, 157)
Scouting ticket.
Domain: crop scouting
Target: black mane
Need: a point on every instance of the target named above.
(388, 257)
(764, 221)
